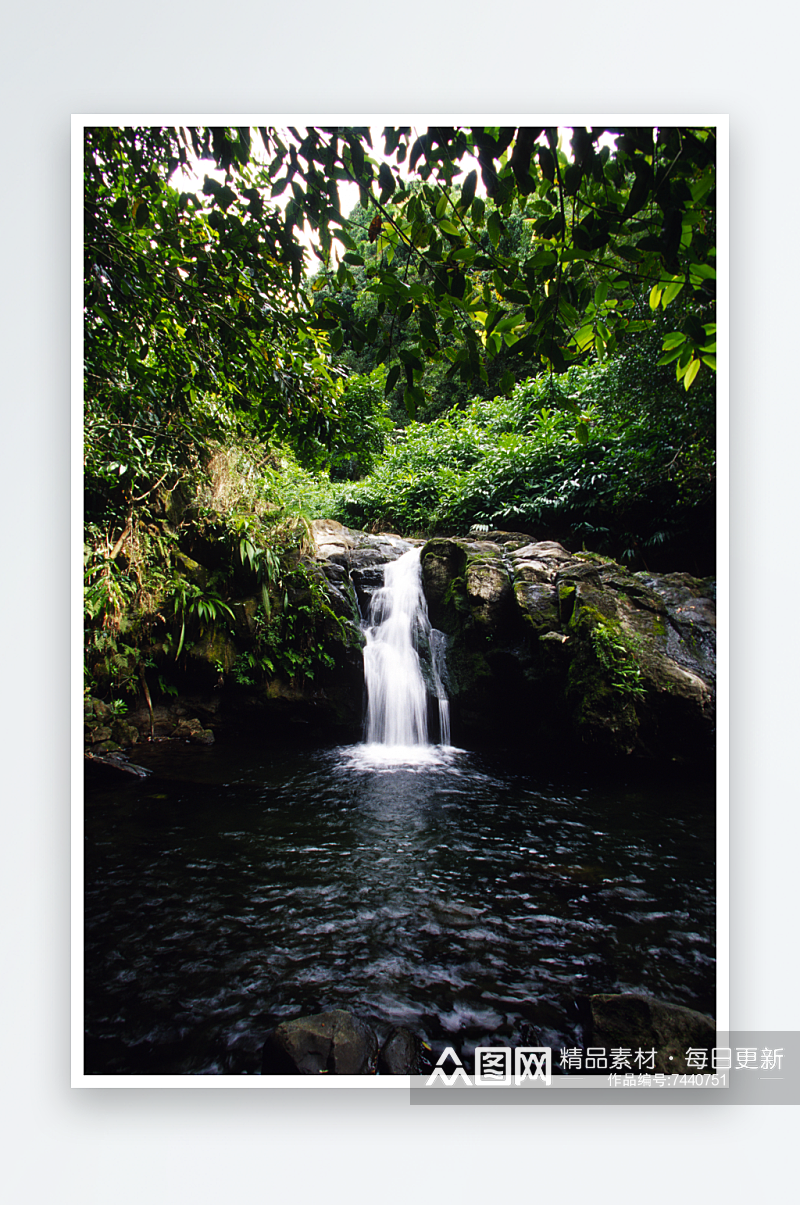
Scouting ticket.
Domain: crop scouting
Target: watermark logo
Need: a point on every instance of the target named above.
(440, 1073)
(493, 1066)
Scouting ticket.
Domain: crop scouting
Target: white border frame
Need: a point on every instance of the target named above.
(79, 122)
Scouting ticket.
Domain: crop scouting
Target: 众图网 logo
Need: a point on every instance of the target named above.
(493, 1066)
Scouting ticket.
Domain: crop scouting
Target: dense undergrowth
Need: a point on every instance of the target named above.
(578, 457)
(165, 576)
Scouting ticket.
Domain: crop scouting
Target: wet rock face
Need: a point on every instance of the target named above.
(690, 605)
(335, 1043)
(573, 650)
(357, 555)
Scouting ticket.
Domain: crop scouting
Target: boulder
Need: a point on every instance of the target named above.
(633, 1021)
(335, 1042)
(332, 541)
(400, 1053)
(192, 730)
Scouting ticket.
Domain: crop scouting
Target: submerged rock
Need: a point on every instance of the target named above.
(335, 1042)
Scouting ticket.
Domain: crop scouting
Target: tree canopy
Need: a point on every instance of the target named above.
(203, 294)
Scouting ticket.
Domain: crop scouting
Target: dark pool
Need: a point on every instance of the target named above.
(459, 896)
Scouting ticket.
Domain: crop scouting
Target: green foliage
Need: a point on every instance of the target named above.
(167, 580)
(195, 322)
(295, 638)
(581, 457)
(196, 316)
(569, 256)
(363, 425)
(189, 600)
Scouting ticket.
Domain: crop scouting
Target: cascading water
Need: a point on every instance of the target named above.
(398, 627)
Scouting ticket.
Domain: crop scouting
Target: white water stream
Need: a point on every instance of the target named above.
(398, 626)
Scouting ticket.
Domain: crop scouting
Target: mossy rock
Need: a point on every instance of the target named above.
(193, 570)
(124, 733)
(489, 591)
(443, 565)
(214, 649)
(538, 604)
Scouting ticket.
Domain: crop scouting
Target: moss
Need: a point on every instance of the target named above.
(598, 559)
(566, 602)
(659, 627)
(604, 681)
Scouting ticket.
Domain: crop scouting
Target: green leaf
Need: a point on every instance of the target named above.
(655, 297)
(468, 189)
(441, 206)
(386, 181)
(702, 272)
(582, 433)
(671, 292)
(509, 323)
(673, 340)
(691, 373)
(449, 227)
(494, 227)
(337, 339)
(392, 379)
(584, 337)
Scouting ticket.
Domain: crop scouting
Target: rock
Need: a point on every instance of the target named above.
(334, 1042)
(489, 590)
(355, 549)
(570, 651)
(400, 1053)
(341, 593)
(116, 762)
(574, 648)
(192, 730)
(124, 733)
(635, 1021)
(214, 653)
(690, 605)
(191, 570)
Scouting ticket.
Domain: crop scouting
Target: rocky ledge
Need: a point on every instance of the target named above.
(572, 652)
(563, 655)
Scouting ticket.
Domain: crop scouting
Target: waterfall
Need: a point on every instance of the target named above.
(398, 629)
